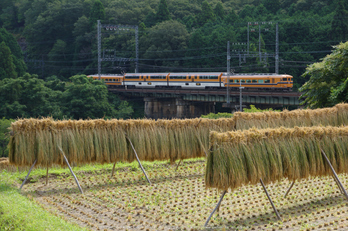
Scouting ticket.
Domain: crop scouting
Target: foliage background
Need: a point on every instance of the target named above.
(58, 37)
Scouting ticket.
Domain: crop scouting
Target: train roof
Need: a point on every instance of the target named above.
(105, 75)
(147, 74)
(256, 75)
(224, 74)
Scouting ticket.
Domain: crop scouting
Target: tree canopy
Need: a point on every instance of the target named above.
(82, 98)
(59, 38)
(328, 83)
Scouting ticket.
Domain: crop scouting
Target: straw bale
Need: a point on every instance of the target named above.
(273, 154)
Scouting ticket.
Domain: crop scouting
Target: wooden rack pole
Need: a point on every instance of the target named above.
(270, 200)
(178, 165)
(113, 169)
(338, 185)
(292, 184)
(31, 168)
(67, 162)
(216, 207)
(335, 175)
(136, 155)
(47, 176)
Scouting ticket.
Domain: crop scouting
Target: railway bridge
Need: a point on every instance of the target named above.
(186, 103)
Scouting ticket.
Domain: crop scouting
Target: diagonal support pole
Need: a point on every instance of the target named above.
(338, 185)
(178, 165)
(270, 200)
(292, 184)
(217, 206)
(136, 155)
(47, 176)
(31, 168)
(113, 169)
(335, 175)
(67, 162)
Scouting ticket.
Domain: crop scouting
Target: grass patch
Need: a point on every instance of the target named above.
(17, 212)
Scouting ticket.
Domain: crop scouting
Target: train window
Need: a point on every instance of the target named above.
(254, 81)
(231, 80)
(177, 77)
(236, 80)
(289, 79)
(267, 81)
(195, 77)
(243, 80)
(284, 79)
(132, 77)
(248, 80)
(260, 80)
(158, 77)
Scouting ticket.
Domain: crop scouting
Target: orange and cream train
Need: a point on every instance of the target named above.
(198, 80)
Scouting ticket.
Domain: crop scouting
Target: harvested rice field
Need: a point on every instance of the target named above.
(178, 200)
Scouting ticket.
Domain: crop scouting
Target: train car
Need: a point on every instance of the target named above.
(110, 80)
(259, 81)
(146, 80)
(195, 80)
(199, 80)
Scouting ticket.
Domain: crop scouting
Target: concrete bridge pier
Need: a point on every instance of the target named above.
(168, 108)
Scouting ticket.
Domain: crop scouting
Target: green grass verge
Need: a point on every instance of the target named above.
(17, 212)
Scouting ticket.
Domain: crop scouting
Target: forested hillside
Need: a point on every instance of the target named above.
(59, 37)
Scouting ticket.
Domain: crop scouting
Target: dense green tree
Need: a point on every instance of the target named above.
(97, 12)
(207, 14)
(5, 124)
(231, 18)
(339, 25)
(150, 19)
(165, 42)
(87, 98)
(272, 5)
(162, 12)
(83, 97)
(328, 83)
(17, 56)
(9, 14)
(248, 11)
(7, 68)
(25, 96)
(219, 11)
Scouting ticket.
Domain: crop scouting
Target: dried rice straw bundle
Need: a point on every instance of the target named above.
(243, 157)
